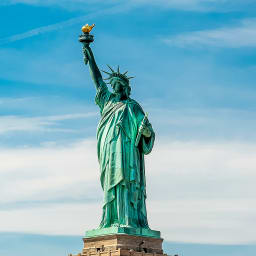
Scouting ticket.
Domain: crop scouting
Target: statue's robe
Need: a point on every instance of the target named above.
(121, 162)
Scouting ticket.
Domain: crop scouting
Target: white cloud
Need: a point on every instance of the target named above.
(197, 192)
(67, 219)
(243, 35)
(47, 173)
(205, 221)
(44, 123)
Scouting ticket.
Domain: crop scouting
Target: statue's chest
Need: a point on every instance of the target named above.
(119, 113)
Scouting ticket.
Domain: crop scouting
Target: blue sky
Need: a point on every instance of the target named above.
(194, 64)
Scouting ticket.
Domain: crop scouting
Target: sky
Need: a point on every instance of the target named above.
(194, 63)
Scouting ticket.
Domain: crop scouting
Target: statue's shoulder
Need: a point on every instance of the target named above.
(132, 101)
(135, 104)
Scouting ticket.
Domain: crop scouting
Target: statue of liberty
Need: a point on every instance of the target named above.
(124, 136)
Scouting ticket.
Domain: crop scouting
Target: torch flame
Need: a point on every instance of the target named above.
(87, 28)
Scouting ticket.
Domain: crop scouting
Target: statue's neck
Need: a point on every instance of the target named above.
(120, 96)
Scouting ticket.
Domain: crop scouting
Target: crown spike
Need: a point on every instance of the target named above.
(106, 72)
(113, 71)
(117, 74)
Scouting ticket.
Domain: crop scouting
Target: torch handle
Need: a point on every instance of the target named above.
(140, 131)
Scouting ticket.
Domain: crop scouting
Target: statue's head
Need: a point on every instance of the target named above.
(120, 86)
(119, 82)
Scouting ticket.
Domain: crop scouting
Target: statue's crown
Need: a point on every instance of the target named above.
(117, 74)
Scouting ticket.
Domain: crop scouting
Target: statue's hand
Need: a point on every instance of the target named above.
(145, 130)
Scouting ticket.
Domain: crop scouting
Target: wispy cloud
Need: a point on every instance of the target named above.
(213, 124)
(178, 4)
(45, 123)
(63, 3)
(242, 35)
(64, 24)
(187, 5)
(199, 5)
(20, 65)
(212, 189)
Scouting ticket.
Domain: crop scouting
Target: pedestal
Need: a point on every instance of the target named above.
(122, 245)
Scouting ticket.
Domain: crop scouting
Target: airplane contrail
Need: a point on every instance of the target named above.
(63, 24)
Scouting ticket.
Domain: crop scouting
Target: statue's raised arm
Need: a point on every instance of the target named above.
(94, 70)
(86, 39)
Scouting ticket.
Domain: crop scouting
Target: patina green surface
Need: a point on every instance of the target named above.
(123, 230)
(124, 136)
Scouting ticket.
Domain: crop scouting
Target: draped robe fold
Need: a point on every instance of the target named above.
(121, 162)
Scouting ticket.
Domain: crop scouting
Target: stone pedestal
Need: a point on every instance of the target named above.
(122, 245)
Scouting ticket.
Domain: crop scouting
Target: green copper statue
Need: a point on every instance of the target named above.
(124, 136)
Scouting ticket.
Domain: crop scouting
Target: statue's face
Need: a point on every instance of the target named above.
(117, 85)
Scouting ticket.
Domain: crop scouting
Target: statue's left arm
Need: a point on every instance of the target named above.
(147, 133)
(147, 139)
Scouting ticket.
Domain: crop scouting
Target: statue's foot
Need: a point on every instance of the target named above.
(125, 226)
(121, 225)
(104, 226)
